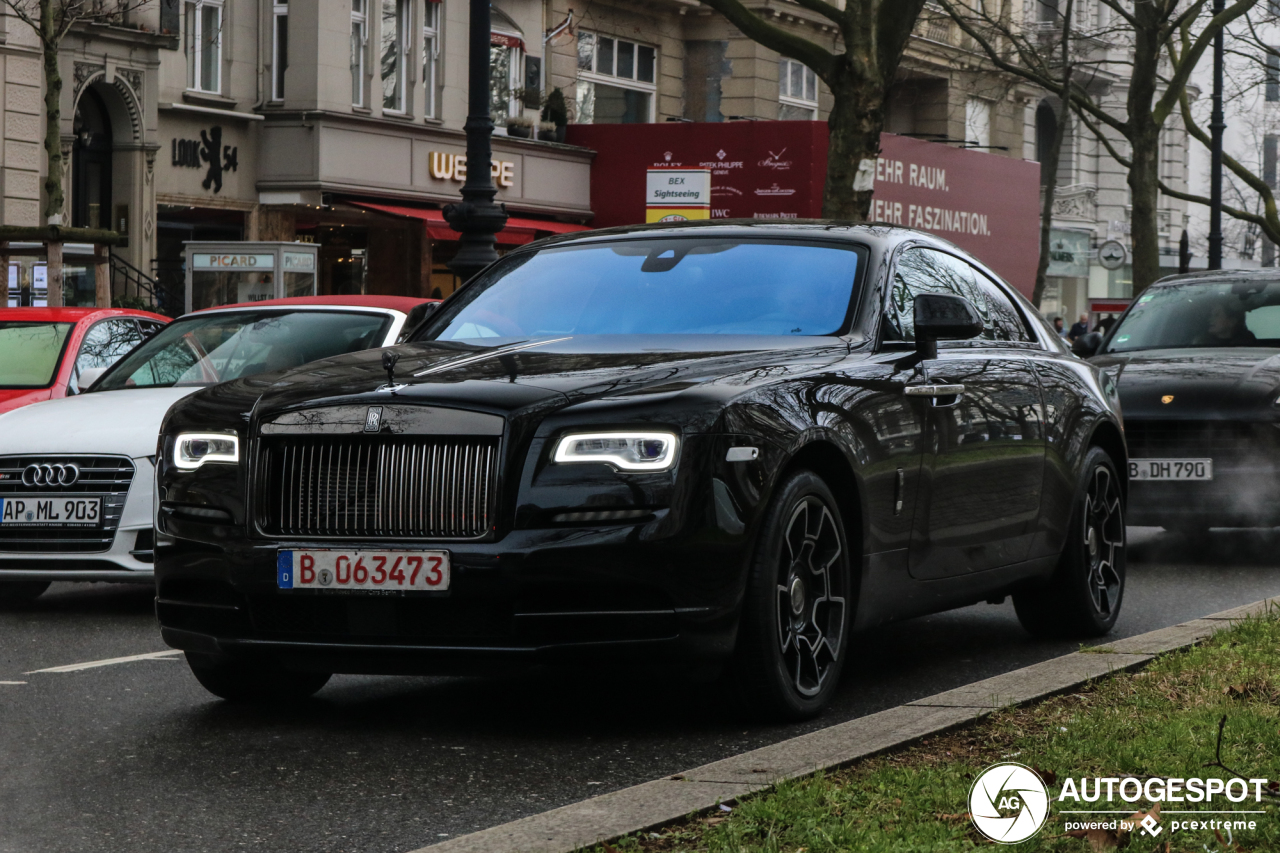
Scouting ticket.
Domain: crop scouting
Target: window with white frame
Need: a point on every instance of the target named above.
(430, 56)
(279, 47)
(506, 58)
(616, 80)
(203, 43)
(395, 38)
(359, 45)
(977, 123)
(797, 91)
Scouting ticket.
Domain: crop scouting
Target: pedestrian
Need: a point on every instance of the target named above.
(1105, 324)
(1079, 328)
(1059, 328)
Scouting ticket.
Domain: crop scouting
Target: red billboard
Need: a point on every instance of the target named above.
(984, 203)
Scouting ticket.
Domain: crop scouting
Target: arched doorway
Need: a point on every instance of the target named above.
(1046, 130)
(91, 156)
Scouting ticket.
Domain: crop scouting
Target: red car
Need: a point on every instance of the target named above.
(46, 353)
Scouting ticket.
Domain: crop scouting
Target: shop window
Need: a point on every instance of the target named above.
(279, 47)
(506, 58)
(797, 91)
(395, 31)
(431, 56)
(616, 80)
(359, 44)
(203, 45)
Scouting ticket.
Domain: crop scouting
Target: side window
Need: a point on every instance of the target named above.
(1004, 323)
(106, 342)
(922, 271)
(928, 271)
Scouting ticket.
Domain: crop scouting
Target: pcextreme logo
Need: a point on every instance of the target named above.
(1009, 803)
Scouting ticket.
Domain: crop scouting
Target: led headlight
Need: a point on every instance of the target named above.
(193, 449)
(630, 451)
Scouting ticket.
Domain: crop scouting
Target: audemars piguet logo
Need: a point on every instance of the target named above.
(373, 419)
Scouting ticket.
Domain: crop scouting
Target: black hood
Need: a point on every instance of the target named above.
(545, 373)
(1237, 383)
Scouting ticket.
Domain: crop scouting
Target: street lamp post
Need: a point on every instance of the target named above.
(478, 218)
(1216, 125)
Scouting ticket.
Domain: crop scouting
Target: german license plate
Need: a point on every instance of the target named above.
(403, 571)
(1170, 469)
(50, 511)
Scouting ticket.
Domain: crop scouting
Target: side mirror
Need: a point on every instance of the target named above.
(941, 317)
(88, 376)
(1087, 345)
(415, 318)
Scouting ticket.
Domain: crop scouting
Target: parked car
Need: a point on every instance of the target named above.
(50, 353)
(719, 445)
(76, 474)
(1197, 361)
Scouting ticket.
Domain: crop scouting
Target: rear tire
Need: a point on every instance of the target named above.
(1083, 597)
(793, 634)
(252, 681)
(21, 592)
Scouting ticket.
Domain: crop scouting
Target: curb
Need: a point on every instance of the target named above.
(662, 801)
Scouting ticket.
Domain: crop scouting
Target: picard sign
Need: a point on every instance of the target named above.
(207, 261)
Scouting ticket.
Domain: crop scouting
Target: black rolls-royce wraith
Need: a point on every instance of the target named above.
(727, 446)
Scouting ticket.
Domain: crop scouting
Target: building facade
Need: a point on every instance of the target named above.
(340, 122)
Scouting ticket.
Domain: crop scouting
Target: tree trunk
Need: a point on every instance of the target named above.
(1144, 191)
(53, 273)
(54, 198)
(1050, 167)
(855, 123)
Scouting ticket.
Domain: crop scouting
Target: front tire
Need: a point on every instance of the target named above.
(794, 626)
(1083, 597)
(253, 681)
(21, 592)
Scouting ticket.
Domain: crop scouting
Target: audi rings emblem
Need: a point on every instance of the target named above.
(45, 474)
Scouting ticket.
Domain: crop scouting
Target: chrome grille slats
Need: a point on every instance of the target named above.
(405, 486)
(107, 476)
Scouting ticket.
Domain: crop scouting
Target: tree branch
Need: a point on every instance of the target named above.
(821, 60)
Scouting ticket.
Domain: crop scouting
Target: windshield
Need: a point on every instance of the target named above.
(658, 287)
(30, 352)
(215, 347)
(1209, 314)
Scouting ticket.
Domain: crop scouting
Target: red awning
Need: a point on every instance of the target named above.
(518, 231)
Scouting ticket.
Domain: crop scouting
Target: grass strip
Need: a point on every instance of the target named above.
(1161, 722)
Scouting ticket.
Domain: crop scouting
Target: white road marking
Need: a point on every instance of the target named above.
(13, 682)
(93, 664)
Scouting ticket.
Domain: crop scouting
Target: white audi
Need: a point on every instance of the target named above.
(76, 473)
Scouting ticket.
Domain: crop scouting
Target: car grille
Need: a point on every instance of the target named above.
(358, 487)
(109, 476)
(1223, 441)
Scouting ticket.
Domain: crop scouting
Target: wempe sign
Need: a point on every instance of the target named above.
(984, 203)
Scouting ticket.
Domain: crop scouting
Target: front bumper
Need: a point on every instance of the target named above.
(1237, 496)
(606, 593)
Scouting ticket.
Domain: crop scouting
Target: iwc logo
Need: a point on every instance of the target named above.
(1008, 803)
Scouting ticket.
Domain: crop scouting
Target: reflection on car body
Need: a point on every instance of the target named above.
(722, 446)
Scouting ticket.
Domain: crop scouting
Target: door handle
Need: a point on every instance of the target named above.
(933, 390)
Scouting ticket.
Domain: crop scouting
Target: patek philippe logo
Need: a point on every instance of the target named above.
(373, 419)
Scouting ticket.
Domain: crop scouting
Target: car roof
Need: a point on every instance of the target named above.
(1266, 276)
(73, 315)
(404, 304)
(883, 234)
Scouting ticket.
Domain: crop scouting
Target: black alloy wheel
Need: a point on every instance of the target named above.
(793, 635)
(21, 592)
(253, 681)
(1083, 597)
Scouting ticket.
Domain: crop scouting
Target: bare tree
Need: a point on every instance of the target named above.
(1157, 81)
(874, 35)
(51, 20)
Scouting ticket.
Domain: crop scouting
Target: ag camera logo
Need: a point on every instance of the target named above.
(1008, 803)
